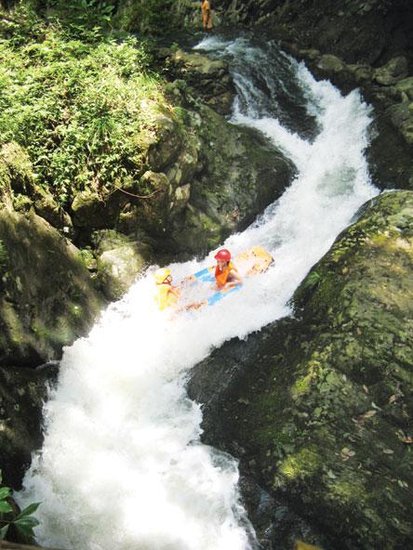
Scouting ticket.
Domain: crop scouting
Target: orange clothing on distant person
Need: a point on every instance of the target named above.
(206, 15)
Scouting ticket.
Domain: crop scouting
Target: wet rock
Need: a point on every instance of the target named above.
(208, 78)
(330, 63)
(239, 174)
(396, 69)
(47, 297)
(119, 262)
(275, 524)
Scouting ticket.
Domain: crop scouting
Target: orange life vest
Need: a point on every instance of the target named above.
(221, 276)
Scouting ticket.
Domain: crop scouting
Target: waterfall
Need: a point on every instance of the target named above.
(122, 465)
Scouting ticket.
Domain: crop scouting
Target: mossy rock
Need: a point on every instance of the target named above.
(19, 166)
(46, 206)
(239, 174)
(120, 260)
(331, 63)
(48, 298)
(91, 211)
(209, 79)
(394, 70)
(405, 86)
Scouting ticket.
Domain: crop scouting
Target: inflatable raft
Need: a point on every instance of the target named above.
(252, 262)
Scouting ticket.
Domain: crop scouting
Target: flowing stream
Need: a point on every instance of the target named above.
(122, 464)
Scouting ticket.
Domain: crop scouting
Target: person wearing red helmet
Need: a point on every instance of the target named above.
(226, 274)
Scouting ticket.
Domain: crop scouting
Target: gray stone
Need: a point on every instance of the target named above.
(396, 69)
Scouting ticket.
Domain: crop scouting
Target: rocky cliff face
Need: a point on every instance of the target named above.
(358, 31)
(318, 408)
(355, 44)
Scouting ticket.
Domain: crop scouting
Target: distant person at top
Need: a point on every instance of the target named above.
(206, 15)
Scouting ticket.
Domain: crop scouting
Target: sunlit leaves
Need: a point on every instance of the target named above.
(80, 110)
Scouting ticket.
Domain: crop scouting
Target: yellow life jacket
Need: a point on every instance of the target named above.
(165, 297)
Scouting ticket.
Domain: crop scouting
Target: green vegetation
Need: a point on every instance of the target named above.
(21, 524)
(148, 16)
(81, 102)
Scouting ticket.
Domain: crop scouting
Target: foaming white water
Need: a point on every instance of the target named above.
(122, 465)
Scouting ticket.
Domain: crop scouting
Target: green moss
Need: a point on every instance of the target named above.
(301, 386)
(22, 203)
(349, 491)
(303, 464)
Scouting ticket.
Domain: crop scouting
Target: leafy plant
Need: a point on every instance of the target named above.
(151, 17)
(23, 521)
(81, 18)
(82, 111)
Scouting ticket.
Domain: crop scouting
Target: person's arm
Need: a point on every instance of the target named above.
(175, 291)
(235, 277)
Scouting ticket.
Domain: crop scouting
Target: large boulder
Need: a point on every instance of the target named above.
(319, 408)
(208, 78)
(239, 174)
(119, 261)
(47, 297)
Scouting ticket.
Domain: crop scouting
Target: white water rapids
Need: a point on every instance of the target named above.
(122, 464)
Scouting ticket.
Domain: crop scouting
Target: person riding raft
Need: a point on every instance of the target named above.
(167, 295)
(226, 274)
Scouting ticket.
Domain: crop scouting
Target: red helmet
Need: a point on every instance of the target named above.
(223, 255)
